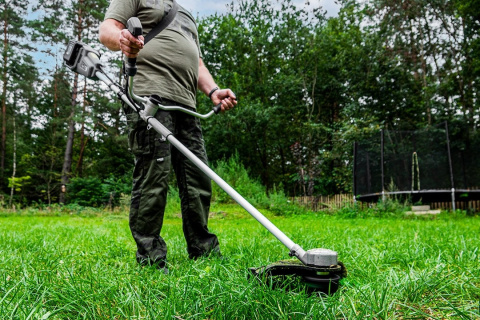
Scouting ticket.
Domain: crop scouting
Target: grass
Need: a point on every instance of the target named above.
(55, 265)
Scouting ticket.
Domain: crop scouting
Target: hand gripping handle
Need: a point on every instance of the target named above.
(135, 27)
(217, 108)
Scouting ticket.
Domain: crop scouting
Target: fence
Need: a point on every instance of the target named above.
(333, 202)
(473, 205)
(319, 203)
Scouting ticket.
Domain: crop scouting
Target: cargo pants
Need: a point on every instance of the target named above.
(154, 156)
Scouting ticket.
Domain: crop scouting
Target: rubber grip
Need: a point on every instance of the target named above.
(217, 108)
(131, 67)
(135, 27)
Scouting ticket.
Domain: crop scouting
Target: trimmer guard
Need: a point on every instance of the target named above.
(322, 279)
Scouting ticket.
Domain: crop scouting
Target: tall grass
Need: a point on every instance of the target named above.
(80, 265)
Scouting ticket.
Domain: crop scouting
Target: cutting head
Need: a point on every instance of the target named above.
(320, 257)
(314, 279)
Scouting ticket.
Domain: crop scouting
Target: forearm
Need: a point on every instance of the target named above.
(205, 79)
(109, 34)
(115, 37)
(207, 85)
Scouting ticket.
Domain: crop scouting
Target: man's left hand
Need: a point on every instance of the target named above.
(226, 97)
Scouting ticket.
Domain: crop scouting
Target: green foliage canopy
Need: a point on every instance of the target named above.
(307, 85)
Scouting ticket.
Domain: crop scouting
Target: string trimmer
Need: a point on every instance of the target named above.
(318, 268)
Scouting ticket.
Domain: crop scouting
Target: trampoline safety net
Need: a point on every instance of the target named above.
(427, 165)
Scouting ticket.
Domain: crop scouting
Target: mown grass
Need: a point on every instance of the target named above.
(81, 266)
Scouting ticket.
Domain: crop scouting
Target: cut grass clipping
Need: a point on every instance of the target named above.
(83, 267)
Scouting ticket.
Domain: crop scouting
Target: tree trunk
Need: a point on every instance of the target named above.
(67, 162)
(48, 177)
(4, 100)
(14, 162)
(83, 143)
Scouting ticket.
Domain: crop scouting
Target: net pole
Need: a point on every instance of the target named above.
(450, 165)
(355, 172)
(381, 163)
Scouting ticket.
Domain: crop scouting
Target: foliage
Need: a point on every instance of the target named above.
(390, 208)
(18, 182)
(173, 207)
(270, 67)
(86, 192)
(93, 192)
(308, 86)
(235, 174)
(281, 205)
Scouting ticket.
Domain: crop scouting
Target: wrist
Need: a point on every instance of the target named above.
(211, 92)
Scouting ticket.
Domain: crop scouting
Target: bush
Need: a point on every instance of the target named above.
(280, 205)
(387, 208)
(235, 174)
(92, 192)
(173, 207)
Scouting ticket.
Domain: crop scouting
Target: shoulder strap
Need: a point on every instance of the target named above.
(167, 19)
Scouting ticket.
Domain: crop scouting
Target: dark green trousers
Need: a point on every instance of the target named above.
(153, 159)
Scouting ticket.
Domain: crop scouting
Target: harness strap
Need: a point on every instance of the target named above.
(167, 19)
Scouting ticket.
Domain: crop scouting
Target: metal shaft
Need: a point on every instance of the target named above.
(295, 249)
(225, 186)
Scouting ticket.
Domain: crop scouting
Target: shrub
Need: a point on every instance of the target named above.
(280, 205)
(92, 192)
(387, 208)
(173, 206)
(235, 174)
(86, 192)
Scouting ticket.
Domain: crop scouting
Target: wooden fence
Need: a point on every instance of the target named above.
(473, 205)
(337, 201)
(320, 203)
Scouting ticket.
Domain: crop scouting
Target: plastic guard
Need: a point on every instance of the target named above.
(295, 267)
(315, 279)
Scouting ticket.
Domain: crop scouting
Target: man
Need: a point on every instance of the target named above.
(171, 67)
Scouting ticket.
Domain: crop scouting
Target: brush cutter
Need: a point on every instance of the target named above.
(318, 268)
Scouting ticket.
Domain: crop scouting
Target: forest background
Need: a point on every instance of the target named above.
(308, 86)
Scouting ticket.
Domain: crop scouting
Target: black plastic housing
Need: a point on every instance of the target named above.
(82, 59)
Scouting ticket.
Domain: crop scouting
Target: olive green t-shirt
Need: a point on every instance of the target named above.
(168, 63)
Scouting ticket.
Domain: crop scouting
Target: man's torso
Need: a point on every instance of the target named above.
(168, 64)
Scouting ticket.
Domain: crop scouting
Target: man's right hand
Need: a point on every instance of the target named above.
(130, 45)
(115, 37)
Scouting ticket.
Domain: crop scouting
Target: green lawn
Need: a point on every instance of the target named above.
(82, 266)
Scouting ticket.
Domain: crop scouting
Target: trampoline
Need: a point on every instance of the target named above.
(426, 166)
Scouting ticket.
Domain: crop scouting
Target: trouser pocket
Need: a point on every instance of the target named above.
(139, 138)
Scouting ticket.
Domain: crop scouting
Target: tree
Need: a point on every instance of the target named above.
(290, 83)
(43, 161)
(12, 14)
(85, 15)
(256, 66)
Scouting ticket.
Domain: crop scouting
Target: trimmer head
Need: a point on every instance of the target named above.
(316, 279)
